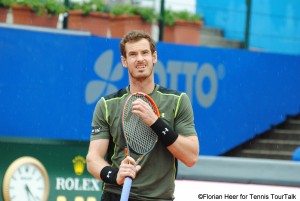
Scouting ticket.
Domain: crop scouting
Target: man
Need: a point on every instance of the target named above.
(154, 177)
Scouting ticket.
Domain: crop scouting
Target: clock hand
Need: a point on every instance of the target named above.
(29, 193)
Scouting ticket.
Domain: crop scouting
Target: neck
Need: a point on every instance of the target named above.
(145, 87)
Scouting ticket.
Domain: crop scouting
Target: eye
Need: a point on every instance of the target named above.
(132, 54)
(146, 52)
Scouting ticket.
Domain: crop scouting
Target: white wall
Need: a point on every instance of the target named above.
(189, 5)
(205, 190)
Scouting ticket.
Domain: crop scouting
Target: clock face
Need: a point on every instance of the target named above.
(26, 179)
(27, 182)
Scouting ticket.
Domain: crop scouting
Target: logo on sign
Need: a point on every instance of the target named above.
(108, 75)
(200, 82)
(79, 164)
(77, 183)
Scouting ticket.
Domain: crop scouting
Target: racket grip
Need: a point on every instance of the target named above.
(126, 189)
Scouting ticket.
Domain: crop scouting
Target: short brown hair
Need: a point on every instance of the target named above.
(136, 35)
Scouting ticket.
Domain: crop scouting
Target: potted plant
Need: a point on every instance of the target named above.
(75, 15)
(46, 13)
(37, 12)
(123, 18)
(89, 16)
(182, 27)
(4, 6)
(22, 11)
(129, 17)
(148, 16)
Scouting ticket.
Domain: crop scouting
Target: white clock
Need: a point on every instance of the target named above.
(26, 179)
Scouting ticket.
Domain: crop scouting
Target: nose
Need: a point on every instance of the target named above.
(140, 57)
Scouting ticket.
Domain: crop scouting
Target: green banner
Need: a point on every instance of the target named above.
(39, 169)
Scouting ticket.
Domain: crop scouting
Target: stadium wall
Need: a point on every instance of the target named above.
(274, 26)
(50, 81)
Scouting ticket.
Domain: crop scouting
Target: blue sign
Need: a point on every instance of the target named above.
(50, 83)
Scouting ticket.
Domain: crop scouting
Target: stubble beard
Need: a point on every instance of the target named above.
(141, 77)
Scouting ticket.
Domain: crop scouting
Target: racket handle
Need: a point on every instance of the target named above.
(126, 189)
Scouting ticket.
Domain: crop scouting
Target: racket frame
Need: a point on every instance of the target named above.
(128, 181)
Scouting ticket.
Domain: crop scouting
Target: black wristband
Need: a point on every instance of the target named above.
(109, 174)
(164, 132)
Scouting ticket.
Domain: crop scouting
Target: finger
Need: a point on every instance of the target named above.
(123, 173)
(139, 103)
(138, 168)
(128, 160)
(137, 106)
(142, 109)
(127, 170)
(134, 171)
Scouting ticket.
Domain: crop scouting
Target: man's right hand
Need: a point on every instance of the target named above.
(128, 168)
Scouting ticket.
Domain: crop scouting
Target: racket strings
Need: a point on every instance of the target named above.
(139, 135)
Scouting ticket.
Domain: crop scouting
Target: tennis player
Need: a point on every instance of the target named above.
(154, 177)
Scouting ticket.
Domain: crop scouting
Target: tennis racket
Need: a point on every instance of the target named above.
(139, 137)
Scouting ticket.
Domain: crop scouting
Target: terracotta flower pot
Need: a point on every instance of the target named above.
(75, 20)
(3, 14)
(145, 26)
(44, 20)
(183, 32)
(22, 14)
(120, 25)
(96, 23)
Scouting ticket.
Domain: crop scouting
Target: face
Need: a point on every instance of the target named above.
(139, 60)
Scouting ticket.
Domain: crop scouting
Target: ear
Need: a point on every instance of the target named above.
(154, 56)
(124, 62)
